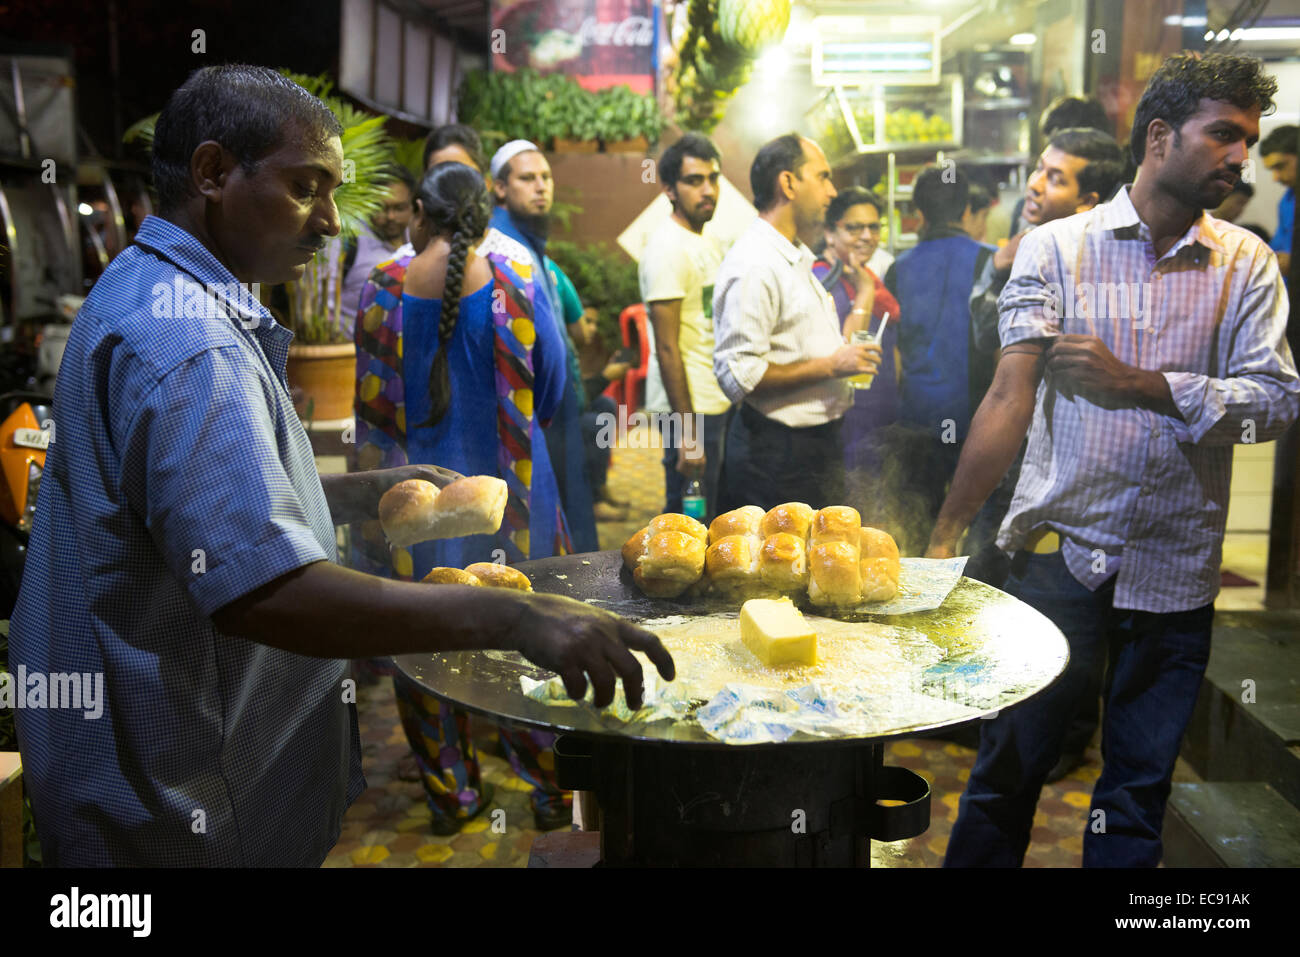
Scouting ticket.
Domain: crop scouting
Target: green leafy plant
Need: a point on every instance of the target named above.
(315, 297)
(527, 105)
(606, 279)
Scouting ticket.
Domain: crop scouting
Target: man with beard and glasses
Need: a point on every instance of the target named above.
(780, 351)
(524, 192)
(1116, 527)
(677, 270)
(184, 545)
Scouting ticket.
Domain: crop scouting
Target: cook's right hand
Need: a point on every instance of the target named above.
(855, 359)
(579, 642)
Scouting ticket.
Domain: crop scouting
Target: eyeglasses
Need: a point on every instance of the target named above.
(855, 229)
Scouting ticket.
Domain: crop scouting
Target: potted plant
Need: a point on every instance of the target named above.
(322, 360)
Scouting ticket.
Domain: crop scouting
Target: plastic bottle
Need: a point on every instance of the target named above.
(693, 501)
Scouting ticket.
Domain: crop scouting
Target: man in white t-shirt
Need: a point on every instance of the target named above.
(676, 273)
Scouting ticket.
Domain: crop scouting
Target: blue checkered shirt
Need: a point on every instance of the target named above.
(1132, 491)
(179, 480)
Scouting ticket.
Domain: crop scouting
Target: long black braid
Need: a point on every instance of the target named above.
(455, 201)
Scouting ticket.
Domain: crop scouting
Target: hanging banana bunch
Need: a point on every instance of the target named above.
(717, 53)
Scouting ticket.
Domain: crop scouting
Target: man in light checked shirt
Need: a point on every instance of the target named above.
(1116, 528)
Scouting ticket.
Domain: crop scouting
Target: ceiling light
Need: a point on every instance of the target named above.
(1023, 40)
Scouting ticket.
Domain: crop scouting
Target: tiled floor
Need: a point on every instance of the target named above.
(389, 824)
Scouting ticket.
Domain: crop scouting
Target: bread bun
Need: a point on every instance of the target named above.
(677, 522)
(658, 587)
(404, 511)
(416, 511)
(634, 548)
(674, 556)
(733, 559)
(793, 518)
(837, 523)
(783, 562)
(879, 564)
(500, 576)
(834, 577)
(451, 576)
(739, 521)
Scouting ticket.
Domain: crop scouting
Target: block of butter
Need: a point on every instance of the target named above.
(775, 631)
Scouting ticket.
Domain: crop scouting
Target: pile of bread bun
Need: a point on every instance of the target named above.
(749, 553)
(480, 573)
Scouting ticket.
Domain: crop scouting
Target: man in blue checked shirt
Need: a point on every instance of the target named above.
(1133, 403)
(184, 544)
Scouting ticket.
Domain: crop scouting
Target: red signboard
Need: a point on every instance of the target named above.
(599, 43)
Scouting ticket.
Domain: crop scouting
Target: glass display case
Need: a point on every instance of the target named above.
(851, 121)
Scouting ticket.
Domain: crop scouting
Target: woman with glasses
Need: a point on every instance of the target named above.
(862, 301)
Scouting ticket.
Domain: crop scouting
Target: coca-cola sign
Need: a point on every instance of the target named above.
(632, 32)
(598, 42)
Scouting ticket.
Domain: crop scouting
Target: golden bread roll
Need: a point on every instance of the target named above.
(634, 548)
(451, 576)
(674, 556)
(404, 511)
(417, 511)
(783, 562)
(500, 576)
(677, 522)
(658, 587)
(834, 577)
(793, 518)
(733, 559)
(837, 523)
(879, 565)
(739, 521)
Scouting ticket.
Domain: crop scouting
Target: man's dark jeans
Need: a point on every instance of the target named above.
(1156, 662)
(769, 464)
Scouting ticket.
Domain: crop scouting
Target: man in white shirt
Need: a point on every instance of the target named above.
(779, 351)
(676, 272)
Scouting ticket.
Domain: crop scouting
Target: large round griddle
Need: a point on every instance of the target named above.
(999, 650)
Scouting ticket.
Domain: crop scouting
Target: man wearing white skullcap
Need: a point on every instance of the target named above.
(524, 189)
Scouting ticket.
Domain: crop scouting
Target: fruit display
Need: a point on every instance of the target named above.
(913, 126)
(717, 54)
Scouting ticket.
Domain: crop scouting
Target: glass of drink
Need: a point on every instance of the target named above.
(862, 338)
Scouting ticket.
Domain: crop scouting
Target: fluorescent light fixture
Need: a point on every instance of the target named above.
(1177, 21)
(1264, 34)
(1024, 40)
(84, 209)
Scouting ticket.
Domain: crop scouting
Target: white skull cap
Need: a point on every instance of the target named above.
(509, 152)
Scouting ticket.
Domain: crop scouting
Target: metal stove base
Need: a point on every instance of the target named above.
(778, 806)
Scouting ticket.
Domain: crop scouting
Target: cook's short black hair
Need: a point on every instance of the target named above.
(1105, 170)
(249, 110)
(695, 145)
(455, 134)
(1284, 139)
(942, 200)
(1175, 91)
(846, 199)
(776, 157)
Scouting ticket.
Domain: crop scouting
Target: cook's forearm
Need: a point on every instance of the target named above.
(326, 611)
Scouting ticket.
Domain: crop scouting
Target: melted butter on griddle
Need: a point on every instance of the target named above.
(856, 661)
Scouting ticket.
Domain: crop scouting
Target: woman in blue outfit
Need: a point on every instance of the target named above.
(476, 391)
